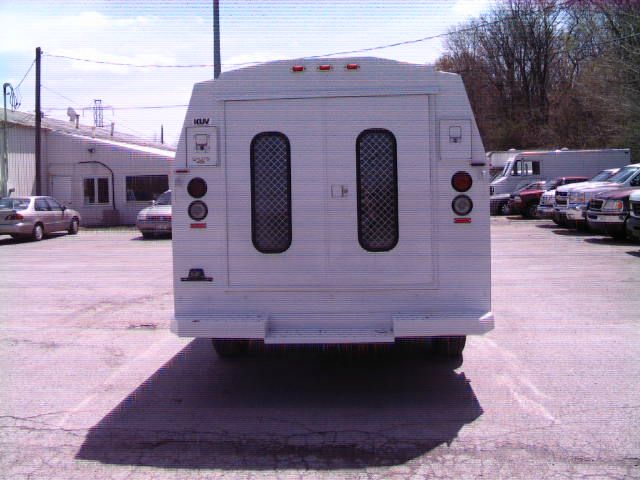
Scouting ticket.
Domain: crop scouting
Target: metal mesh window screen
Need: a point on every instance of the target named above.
(271, 192)
(377, 177)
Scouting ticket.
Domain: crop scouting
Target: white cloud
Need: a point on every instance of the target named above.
(470, 8)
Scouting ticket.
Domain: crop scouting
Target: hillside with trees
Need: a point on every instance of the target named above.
(550, 74)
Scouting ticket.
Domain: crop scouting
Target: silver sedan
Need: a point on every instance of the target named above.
(156, 219)
(34, 217)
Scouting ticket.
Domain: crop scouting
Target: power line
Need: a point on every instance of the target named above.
(139, 107)
(156, 107)
(25, 75)
(345, 52)
(60, 95)
(88, 108)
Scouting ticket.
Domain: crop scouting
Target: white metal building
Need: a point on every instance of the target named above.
(107, 176)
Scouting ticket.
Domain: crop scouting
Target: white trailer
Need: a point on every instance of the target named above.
(527, 167)
(331, 201)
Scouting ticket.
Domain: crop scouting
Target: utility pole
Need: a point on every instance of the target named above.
(38, 120)
(216, 39)
(4, 168)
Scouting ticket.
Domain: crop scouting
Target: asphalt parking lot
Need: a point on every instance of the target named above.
(93, 385)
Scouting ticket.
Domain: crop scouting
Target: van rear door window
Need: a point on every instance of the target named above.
(271, 229)
(377, 181)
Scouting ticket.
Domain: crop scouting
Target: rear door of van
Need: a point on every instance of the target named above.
(333, 192)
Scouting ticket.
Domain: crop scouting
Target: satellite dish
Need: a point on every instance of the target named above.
(72, 114)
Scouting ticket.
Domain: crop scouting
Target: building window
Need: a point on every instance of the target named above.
(377, 181)
(271, 230)
(144, 188)
(96, 191)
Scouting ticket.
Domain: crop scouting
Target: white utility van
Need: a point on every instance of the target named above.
(331, 201)
(527, 167)
(498, 159)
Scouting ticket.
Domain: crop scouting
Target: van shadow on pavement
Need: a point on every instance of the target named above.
(301, 409)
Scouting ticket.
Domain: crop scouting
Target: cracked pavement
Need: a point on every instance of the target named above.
(93, 385)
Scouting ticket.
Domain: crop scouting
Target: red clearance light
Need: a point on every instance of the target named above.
(352, 66)
(198, 225)
(324, 68)
(182, 170)
(461, 220)
(297, 68)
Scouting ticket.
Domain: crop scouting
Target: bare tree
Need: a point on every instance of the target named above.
(544, 73)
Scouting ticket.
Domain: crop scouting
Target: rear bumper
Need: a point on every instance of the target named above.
(16, 229)
(262, 327)
(633, 227)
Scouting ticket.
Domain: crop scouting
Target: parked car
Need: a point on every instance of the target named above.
(608, 211)
(578, 199)
(500, 203)
(633, 221)
(156, 219)
(36, 216)
(526, 201)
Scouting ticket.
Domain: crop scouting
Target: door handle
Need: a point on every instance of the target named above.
(339, 191)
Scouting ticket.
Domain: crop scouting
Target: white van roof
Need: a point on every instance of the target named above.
(373, 76)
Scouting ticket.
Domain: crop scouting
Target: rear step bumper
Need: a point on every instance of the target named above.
(260, 327)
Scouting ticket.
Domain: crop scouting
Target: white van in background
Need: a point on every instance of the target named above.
(526, 167)
(331, 201)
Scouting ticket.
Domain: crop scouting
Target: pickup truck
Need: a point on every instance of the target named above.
(577, 199)
(526, 202)
(633, 222)
(561, 196)
(607, 212)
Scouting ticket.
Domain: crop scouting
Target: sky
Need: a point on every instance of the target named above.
(178, 33)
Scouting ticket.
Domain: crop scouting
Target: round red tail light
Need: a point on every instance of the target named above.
(197, 187)
(461, 181)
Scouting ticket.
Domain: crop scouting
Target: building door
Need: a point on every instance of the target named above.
(60, 188)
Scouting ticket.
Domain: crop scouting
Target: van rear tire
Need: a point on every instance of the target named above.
(230, 348)
(449, 347)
